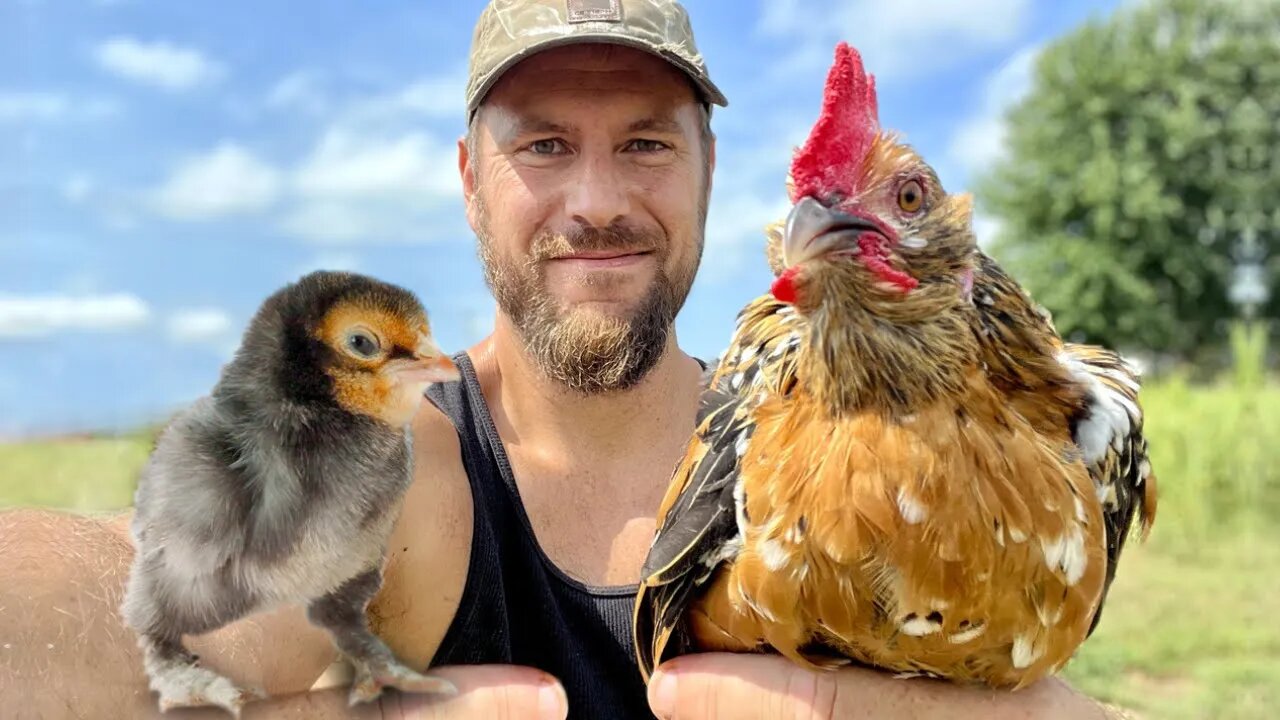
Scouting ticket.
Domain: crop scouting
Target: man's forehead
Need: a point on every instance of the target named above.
(614, 112)
(507, 121)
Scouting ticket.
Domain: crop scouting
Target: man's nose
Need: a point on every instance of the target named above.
(598, 195)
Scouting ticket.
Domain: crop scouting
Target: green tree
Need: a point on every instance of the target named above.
(1148, 147)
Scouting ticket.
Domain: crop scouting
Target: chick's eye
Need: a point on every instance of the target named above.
(362, 344)
(910, 196)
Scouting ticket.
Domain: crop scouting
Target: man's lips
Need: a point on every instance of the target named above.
(602, 259)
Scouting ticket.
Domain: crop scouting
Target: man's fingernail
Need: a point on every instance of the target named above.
(662, 694)
(552, 703)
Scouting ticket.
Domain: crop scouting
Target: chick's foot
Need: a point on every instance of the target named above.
(194, 686)
(373, 676)
(174, 672)
(343, 613)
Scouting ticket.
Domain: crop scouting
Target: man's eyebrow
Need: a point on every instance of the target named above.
(655, 124)
(525, 126)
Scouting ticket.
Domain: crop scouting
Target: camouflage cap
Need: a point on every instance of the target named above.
(509, 31)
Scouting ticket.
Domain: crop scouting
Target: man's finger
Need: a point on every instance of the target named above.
(740, 687)
(499, 692)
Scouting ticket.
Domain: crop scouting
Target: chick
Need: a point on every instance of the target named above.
(282, 485)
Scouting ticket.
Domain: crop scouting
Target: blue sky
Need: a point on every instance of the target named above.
(165, 166)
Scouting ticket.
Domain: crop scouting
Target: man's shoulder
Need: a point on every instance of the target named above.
(432, 428)
(437, 455)
(429, 550)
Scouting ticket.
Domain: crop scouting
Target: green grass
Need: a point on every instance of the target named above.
(1190, 629)
(1189, 634)
(82, 474)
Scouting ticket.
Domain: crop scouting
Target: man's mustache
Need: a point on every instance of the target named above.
(622, 239)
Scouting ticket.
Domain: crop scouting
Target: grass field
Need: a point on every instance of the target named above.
(1190, 630)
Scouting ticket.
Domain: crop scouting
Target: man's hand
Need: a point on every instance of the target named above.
(769, 687)
(485, 692)
(496, 692)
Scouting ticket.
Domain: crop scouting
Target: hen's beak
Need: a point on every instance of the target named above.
(431, 364)
(814, 230)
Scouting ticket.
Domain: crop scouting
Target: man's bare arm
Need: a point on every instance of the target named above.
(769, 687)
(62, 639)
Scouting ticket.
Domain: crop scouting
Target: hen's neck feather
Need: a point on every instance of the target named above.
(854, 360)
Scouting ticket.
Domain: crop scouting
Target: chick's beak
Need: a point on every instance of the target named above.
(813, 230)
(431, 364)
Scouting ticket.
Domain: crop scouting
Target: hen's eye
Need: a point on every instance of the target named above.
(910, 196)
(362, 343)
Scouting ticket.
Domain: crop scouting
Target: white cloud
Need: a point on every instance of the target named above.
(741, 218)
(160, 64)
(986, 228)
(437, 96)
(750, 184)
(735, 230)
(26, 106)
(333, 222)
(77, 188)
(895, 39)
(98, 108)
(199, 326)
(228, 180)
(373, 175)
(377, 221)
(37, 316)
(981, 140)
(117, 208)
(300, 90)
(367, 187)
(347, 165)
(430, 97)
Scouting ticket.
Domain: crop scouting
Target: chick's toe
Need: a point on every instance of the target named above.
(372, 677)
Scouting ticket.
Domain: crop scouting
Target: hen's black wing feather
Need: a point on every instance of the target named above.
(699, 529)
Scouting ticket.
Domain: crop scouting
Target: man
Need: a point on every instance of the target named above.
(586, 172)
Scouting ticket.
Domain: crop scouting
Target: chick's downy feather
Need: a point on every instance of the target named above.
(897, 461)
(282, 484)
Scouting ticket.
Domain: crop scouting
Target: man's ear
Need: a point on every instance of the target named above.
(466, 170)
(711, 163)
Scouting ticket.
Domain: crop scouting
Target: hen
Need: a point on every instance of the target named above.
(898, 462)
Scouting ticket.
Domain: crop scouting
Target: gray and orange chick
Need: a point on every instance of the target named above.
(282, 485)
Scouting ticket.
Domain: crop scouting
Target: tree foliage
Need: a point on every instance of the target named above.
(1146, 150)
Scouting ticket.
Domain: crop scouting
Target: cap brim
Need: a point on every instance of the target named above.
(710, 93)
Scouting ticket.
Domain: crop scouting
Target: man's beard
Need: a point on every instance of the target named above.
(587, 352)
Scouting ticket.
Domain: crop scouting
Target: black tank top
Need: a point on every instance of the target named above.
(517, 606)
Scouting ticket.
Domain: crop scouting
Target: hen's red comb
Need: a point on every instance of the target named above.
(839, 141)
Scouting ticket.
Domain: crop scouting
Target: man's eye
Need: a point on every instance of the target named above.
(647, 146)
(545, 147)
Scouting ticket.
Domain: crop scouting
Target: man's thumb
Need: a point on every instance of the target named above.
(496, 692)
(739, 687)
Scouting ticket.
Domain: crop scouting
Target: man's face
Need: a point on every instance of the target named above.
(588, 193)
